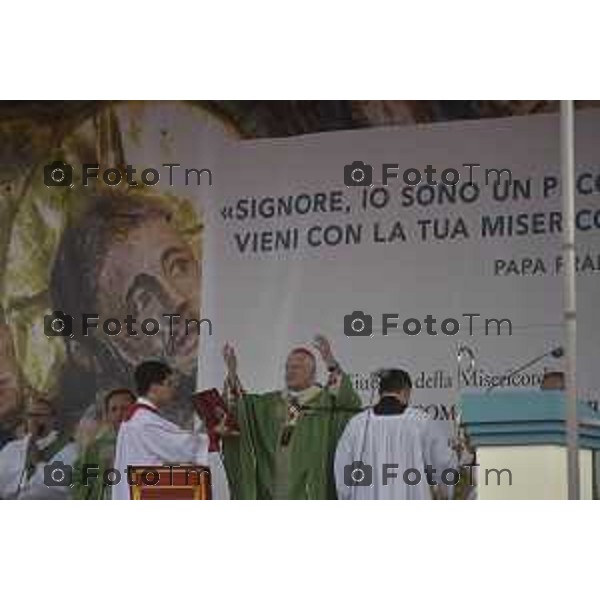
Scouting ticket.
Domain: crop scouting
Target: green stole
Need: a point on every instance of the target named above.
(99, 453)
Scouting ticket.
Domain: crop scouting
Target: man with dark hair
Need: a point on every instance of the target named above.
(392, 450)
(152, 373)
(395, 386)
(99, 452)
(146, 438)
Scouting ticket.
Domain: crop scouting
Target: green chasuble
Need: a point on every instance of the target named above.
(100, 453)
(272, 460)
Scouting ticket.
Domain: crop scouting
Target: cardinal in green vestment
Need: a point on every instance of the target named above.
(288, 438)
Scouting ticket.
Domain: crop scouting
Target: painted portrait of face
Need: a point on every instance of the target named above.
(97, 248)
(125, 260)
(147, 272)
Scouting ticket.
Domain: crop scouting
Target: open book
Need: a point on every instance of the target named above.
(215, 415)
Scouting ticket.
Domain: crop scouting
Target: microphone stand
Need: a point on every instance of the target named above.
(460, 440)
(555, 353)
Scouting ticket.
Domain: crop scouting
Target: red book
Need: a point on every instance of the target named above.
(215, 415)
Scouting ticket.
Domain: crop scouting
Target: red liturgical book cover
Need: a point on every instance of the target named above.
(217, 418)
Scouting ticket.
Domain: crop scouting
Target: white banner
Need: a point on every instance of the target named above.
(291, 251)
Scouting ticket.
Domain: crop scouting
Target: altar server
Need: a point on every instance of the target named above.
(148, 439)
(392, 450)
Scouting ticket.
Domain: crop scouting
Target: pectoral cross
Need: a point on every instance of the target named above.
(294, 411)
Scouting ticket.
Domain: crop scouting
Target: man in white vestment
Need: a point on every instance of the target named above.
(148, 439)
(24, 473)
(393, 451)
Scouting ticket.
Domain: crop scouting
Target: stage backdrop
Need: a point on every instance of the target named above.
(290, 251)
(76, 249)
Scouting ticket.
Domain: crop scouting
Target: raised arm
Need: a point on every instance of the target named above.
(232, 386)
(338, 383)
(323, 347)
(239, 451)
(173, 444)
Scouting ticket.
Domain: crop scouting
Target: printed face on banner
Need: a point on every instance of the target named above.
(124, 255)
(150, 273)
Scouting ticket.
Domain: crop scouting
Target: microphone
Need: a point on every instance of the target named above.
(557, 352)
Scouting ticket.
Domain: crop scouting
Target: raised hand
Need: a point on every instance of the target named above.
(230, 360)
(321, 343)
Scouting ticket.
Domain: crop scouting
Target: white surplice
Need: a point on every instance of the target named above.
(410, 440)
(147, 439)
(14, 483)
